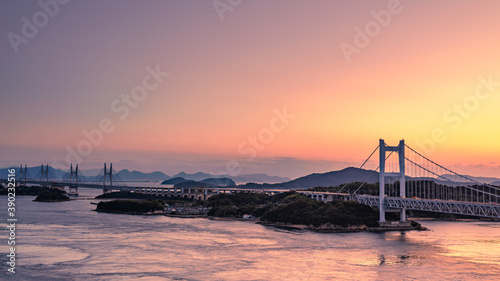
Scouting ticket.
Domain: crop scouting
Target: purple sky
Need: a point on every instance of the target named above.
(229, 73)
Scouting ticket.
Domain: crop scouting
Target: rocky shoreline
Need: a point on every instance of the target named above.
(130, 213)
(185, 216)
(330, 228)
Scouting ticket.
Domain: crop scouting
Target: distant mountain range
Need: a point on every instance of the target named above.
(83, 175)
(258, 178)
(126, 175)
(210, 182)
(328, 179)
(488, 180)
(36, 173)
(175, 180)
(219, 181)
(336, 178)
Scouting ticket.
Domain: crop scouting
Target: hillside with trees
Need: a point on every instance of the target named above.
(52, 195)
(130, 206)
(291, 208)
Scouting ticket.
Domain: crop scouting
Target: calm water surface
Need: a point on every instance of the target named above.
(68, 241)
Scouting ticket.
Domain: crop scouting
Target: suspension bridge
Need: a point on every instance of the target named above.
(109, 181)
(49, 177)
(408, 180)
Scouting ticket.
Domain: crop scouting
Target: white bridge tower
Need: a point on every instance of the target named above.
(400, 149)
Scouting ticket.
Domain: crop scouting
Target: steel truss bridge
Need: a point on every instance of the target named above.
(440, 206)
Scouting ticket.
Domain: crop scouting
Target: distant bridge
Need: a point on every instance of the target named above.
(108, 181)
(407, 181)
(198, 193)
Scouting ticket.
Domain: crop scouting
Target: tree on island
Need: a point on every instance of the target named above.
(26, 190)
(130, 206)
(299, 209)
(293, 208)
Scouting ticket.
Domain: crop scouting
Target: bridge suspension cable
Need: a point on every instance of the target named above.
(458, 184)
(448, 170)
(360, 167)
(365, 181)
(461, 188)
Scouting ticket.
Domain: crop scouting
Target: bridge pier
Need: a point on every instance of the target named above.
(73, 190)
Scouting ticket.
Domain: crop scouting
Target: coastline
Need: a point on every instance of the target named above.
(185, 216)
(129, 213)
(232, 219)
(341, 229)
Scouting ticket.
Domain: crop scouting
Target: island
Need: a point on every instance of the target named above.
(208, 182)
(287, 209)
(296, 210)
(27, 190)
(144, 196)
(52, 195)
(134, 207)
(175, 180)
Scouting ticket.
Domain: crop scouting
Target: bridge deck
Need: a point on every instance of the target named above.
(490, 210)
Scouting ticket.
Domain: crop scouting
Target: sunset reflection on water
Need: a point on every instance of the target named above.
(68, 241)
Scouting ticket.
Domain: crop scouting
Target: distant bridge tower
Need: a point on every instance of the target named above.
(400, 149)
(106, 189)
(73, 179)
(23, 174)
(44, 174)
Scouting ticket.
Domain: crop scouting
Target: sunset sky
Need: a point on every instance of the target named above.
(279, 87)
